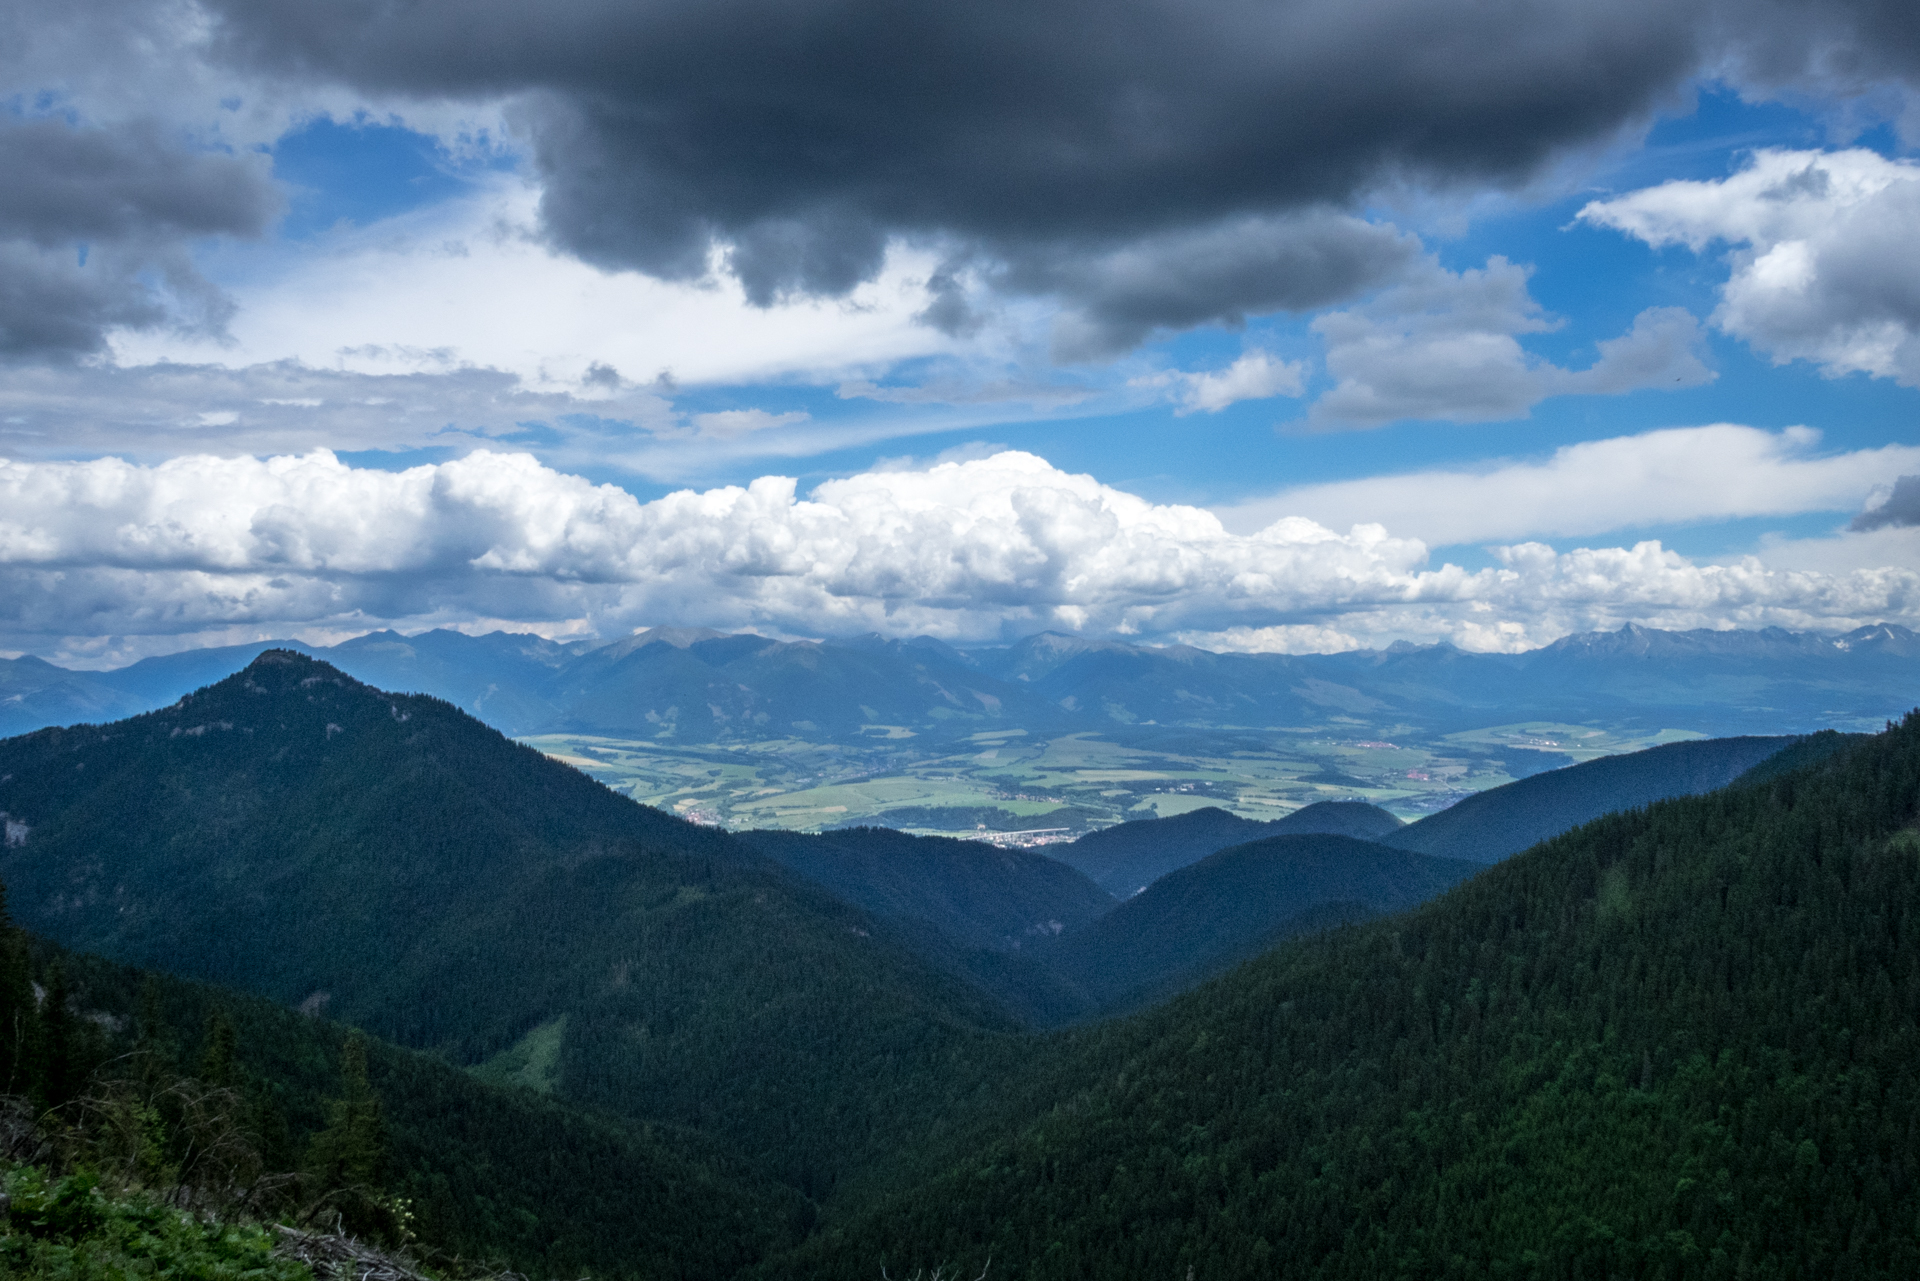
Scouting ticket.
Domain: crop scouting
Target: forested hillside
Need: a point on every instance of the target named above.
(975, 893)
(1490, 825)
(1675, 1042)
(387, 860)
(1196, 921)
(248, 1108)
(1679, 1040)
(1128, 857)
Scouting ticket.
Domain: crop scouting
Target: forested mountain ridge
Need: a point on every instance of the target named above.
(978, 894)
(1200, 919)
(294, 795)
(391, 862)
(1488, 826)
(1482, 828)
(968, 907)
(1128, 857)
(1681, 1041)
(1053, 947)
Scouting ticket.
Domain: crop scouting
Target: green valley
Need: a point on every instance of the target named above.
(1011, 781)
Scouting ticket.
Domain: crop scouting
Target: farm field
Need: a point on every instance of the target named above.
(1009, 786)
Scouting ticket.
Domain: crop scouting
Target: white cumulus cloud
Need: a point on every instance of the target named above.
(1257, 375)
(1595, 487)
(967, 549)
(1821, 255)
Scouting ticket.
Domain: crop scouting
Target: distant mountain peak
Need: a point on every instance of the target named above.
(278, 665)
(678, 637)
(1880, 636)
(287, 658)
(1634, 640)
(1065, 643)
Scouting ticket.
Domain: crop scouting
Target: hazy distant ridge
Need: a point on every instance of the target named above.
(700, 686)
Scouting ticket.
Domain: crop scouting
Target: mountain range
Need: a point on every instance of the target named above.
(689, 686)
(1348, 1047)
(396, 834)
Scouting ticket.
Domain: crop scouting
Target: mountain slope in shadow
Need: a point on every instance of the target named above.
(1199, 920)
(1501, 821)
(1125, 859)
(390, 861)
(976, 893)
(1682, 1040)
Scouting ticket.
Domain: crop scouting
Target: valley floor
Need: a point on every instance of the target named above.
(1009, 786)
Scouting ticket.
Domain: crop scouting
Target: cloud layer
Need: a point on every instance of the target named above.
(1602, 486)
(470, 284)
(799, 139)
(1141, 166)
(1256, 375)
(96, 226)
(1444, 345)
(970, 550)
(1821, 254)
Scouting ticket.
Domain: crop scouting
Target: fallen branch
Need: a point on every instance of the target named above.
(335, 1256)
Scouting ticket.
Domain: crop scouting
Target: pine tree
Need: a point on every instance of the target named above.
(62, 1053)
(347, 1159)
(19, 1019)
(217, 1066)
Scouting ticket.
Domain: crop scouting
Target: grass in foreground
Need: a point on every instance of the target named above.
(69, 1229)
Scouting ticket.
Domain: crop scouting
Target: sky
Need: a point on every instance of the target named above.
(1297, 326)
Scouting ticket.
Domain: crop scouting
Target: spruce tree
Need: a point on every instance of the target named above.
(62, 1055)
(217, 1067)
(19, 1019)
(346, 1160)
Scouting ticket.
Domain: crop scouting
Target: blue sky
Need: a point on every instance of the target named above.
(1622, 295)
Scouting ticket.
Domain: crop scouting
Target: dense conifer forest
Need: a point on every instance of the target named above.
(241, 1108)
(1488, 826)
(389, 861)
(1199, 920)
(1127, 857)
(1678, 1041)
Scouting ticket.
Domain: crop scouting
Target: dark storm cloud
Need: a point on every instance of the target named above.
(1222, 272)
(1825, 48)
(94, 226)
(51, 305)
(804, 134)
(1901, 510)
(128, 183)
